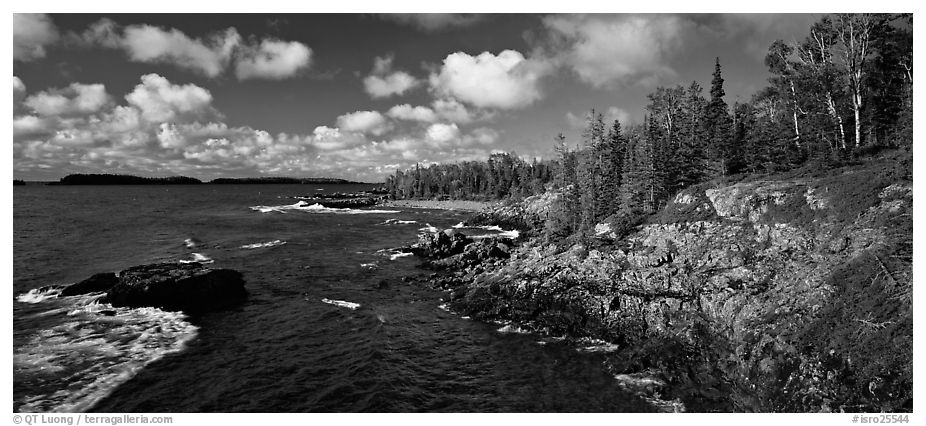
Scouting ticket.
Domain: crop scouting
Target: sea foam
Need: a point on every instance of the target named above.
(341, 303)
(38, 295)
(198, 258)
(303, 206)
(273, 243)
(97, 348)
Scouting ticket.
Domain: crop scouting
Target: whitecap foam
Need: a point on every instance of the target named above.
(342, 303)
(303, 206)
(38, 295)
(395, 256)
(513, 234)
(273, 243)
(398, 222)
(429, 228)
(513, 328)
(189, 243)
(459, 225)
(93, 353)
(590, 345)
(198, 258)
(369, 266)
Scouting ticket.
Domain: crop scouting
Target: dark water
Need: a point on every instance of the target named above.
(284, 349)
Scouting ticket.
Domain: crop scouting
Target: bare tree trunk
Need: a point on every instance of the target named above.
(831, 106)
(797, 130)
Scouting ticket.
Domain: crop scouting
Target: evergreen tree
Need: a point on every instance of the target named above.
(612, 167)
(717, 125)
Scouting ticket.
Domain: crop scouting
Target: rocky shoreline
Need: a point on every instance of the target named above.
(788, 294)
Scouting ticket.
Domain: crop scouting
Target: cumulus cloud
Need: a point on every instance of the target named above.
(610, 50)
(164, 127)
(452, 110)
(442, 133)
(19, 92)
(76, 99)
(31, 33)
(383, 82)
(505, 81)
(146, 43)
(273, 59)
(410, 113)
(159, 100)
(364, 122)
(210, 55)
(434, 22)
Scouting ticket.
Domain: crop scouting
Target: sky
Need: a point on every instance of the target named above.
(352, 96)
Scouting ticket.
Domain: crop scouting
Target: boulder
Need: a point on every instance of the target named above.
(189, 287)
(98, 282)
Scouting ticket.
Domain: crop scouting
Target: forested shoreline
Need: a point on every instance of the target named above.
(841, 93)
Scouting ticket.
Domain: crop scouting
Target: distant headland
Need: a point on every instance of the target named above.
(113, 179)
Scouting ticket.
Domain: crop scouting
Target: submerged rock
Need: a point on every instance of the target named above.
(189, 287)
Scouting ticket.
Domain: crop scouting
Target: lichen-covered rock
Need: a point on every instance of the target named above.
(729, 294)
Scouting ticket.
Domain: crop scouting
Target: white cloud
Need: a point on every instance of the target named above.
(504, 81)
(383, 82)
(433, 22)
(617, 113)
(19, 92)
(167, 128)
(159, 100)
(76, 99)
(104, 33)
(210, 56)
(441, 133)
(364, 122)
(481, 136)
(31, 33)
(146, 43)
(610, 50)
(273, 59)
(452, 110)
(410, 113)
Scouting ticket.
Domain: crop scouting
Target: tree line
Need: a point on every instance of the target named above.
(842, 90)
(503, 175)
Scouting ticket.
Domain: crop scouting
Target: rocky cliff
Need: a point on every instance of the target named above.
(789, 293)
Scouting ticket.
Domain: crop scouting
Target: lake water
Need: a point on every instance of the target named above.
(300, 343)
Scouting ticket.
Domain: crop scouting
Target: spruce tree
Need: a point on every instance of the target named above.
(717, 125)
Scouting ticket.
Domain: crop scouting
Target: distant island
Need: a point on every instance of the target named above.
(110, 179)
(113, 179)
(18, 182)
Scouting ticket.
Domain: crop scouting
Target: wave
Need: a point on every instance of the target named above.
(513, 328)
(38, 295)
(429, 228)
(341, 303)
(273, 243)
(369, 266)
(513, 234)
(316, 208)
(395, 256)
(96, 349)
(189, 243)
(398, 222)
(596, 346)
(199, 258)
